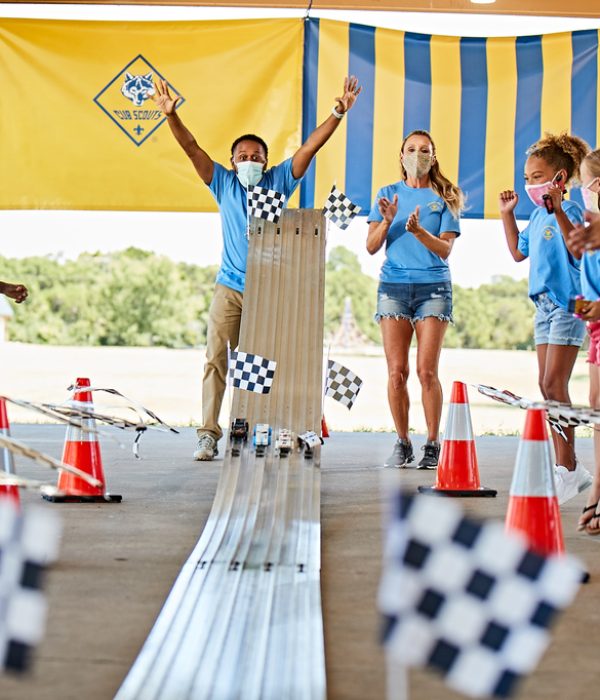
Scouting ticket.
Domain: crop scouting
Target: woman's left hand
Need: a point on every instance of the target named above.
(413, 224)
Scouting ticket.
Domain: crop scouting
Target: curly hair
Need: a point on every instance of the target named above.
(450, 193)
(563, 152)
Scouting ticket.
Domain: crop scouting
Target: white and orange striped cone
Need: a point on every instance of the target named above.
(82, 450)
(533, 505)
(7, 462)
(458, 471)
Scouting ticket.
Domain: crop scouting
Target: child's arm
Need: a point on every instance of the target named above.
(508, 200)
(564, 223)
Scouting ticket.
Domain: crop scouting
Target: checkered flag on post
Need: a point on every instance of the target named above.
(28, 542)
(466, 598)
(251, 372)
(339, 209)
(265, 204)
(342, 384)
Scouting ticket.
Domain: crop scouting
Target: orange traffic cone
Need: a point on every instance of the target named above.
(82, 450)
(533, 505)
(324, 431)
(9, 492)
(457, 472)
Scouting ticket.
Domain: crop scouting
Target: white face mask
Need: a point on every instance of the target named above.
(417, 164)
(249, 173)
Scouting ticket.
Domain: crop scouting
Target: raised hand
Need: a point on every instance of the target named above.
(163, 99)
(556, 195)
(583, 238)
(18, 292)
(508, 200)
(351, 91)
(413, 224)
(388, 209)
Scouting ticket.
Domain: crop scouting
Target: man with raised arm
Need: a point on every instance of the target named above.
(249, 158)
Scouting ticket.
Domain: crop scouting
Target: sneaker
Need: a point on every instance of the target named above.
(207, 448)
(401, 456)
(431, 456)
(570, 483)
(584, 478)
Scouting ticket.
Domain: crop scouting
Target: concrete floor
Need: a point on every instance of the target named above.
(118, 563)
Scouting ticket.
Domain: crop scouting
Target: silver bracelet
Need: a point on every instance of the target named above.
(336, 114)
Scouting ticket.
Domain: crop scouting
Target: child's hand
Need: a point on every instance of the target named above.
(591, 312)
(583, 238)
(556, 195)
(508, 200)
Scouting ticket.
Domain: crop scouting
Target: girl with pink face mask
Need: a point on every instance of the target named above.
(554, 279)
(580, 243)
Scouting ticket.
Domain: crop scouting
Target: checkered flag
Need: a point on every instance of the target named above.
(468, 599)
(342, 384)
(339, 209)
(28, 542)
(265, 204)
(251, 372)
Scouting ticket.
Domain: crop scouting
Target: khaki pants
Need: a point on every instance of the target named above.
(224, 318)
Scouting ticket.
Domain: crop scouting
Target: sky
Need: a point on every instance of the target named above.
(196, 237)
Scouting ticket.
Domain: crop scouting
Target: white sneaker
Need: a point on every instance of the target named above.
(570, 483)
(584, 478)
(207, 448)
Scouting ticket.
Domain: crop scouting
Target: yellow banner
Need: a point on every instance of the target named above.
(78, 127)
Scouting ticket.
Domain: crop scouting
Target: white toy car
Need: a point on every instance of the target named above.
(284, 442)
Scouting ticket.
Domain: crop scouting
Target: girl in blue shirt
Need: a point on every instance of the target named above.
(590, 290)
(417, 221)
(554, 279)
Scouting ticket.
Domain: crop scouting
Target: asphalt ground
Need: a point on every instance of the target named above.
(118, 562)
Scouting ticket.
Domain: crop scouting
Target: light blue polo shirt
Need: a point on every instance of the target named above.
(407, 260)
(231, 197)
(590, 275)
(552, 269)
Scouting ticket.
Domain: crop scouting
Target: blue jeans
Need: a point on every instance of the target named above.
(414, 301)
(553, 325)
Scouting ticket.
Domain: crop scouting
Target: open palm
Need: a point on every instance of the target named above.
(163, 99)
(351, 91)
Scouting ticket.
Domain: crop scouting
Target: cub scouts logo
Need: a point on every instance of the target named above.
(548, 233)
(127, 100)
(435, 206)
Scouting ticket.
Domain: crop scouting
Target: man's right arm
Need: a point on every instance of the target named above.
(200, 159)
(167, 104)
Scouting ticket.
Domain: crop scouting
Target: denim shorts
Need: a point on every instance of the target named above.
(414, 301)
(554, 325)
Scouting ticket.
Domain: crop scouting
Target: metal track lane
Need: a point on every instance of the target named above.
(243, 619)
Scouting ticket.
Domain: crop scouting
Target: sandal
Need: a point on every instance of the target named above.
(596, 529)
(582, 524)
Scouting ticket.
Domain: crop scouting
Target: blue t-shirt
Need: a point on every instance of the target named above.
(407, 260)
(590, 275)
(552, 269)
(231, 197)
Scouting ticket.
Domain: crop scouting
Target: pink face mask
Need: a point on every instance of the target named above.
(536, 192)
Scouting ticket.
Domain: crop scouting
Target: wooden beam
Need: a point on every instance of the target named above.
(549, 8)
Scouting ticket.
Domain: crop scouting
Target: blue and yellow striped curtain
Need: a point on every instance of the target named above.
(485, 101)
(71, 139)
